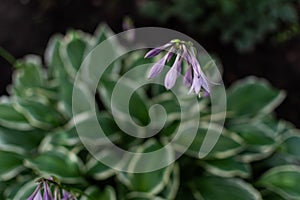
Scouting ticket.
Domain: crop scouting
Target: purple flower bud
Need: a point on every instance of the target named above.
(205, 84)
(188, 77)
(186, 55)
(36, 195)
(47, 192)
(67, 195)
(157, 67)
(194, 76)
(173, 73)
(157, 50)
(196, 85)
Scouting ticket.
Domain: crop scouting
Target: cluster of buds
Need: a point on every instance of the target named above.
(43, 191)
(194, 78)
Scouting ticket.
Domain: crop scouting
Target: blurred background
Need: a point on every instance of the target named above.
(259, 37)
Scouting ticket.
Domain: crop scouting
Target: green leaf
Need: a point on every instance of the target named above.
(57, 72)
(151, 182)
(11, 118)
(95, 194)
(269, 195)
(26, 140)
(291, 146)
(212, 188)
(15, 185)
(25, 191)
(251, 97)
(97, 170)
(73, 51)
(67, 138)
(227, 144)
(142, 196)
(172, 186)
(59, 162)
(254, 137)
(11, 164)
(138, 103)
(229, 167)
(39, 115)
(283, 180)
(102, 33)
(29, 73)
(53, 58)
(254, 155)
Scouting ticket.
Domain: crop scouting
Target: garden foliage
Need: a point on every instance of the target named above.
(256, 157)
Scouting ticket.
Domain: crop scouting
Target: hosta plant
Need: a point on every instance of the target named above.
(42, 157)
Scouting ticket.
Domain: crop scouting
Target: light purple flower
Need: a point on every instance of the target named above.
(47, 192)
(188, 77)
(173, 73)
(157, 50)
(157, 67)
(36, 195)
(44, 188)
(67, 195)
(194, 77)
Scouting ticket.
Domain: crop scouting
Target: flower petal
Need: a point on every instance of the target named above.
(188, 77)
(196, 85)
(186, 55)
(157, 67)
(34, 194)
(157, 50)
(38, 196)
(173, 73)
(47, 192)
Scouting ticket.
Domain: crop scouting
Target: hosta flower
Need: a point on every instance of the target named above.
(44, 192)
(194, 77)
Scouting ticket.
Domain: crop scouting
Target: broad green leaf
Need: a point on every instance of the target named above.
(53, 58)
(227, 144)
(11, 118)
(16, 185)
(102, 33)
(138, 104)
(254, 155)
(98, 131)
(73, 51)
(59, 75)
(11, 164)
(184, 193)
(212, 188)
(65, 91)
(229, 167)
(67, 138)
(59, 162)
(26, 140)
(171, 106)
(26, 190)
(39, 115)
(254, 137)
(29, 73)
(291, 146)
(97, 170)
(171, 188)
(150, 182)
(142, 196)
(283, 180)
(269, 195)
(95, 194)
(251, 97)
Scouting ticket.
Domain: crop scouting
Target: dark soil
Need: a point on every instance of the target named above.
(27, 25)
